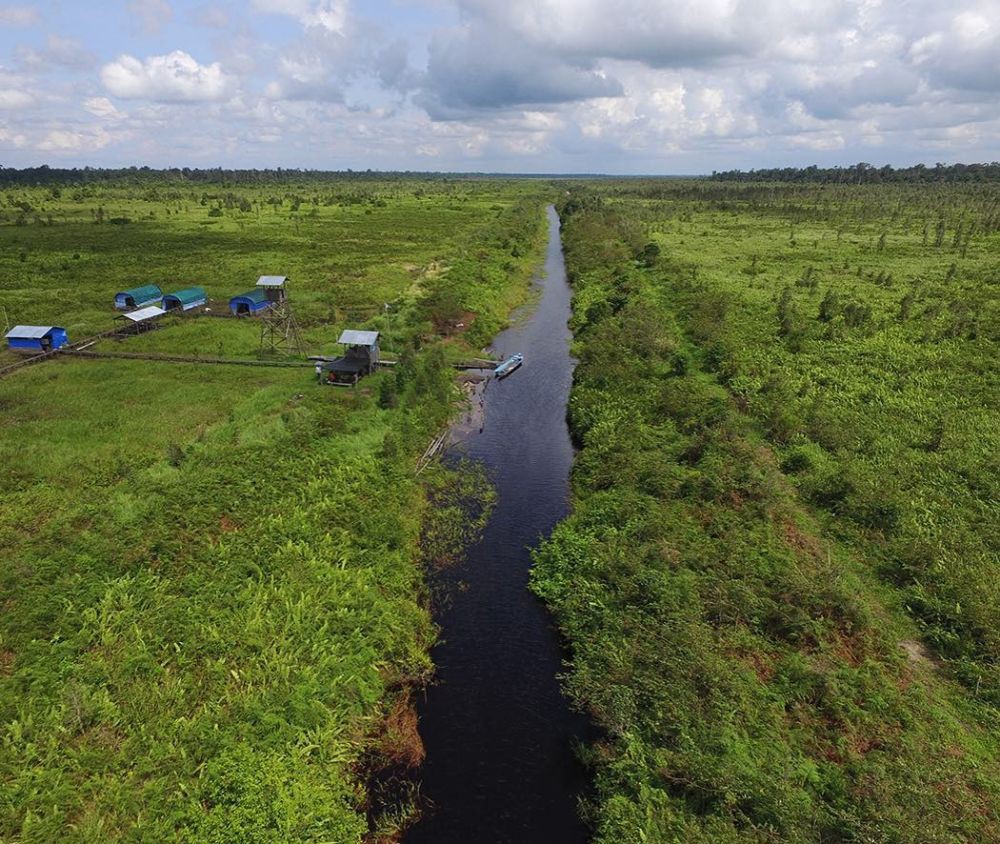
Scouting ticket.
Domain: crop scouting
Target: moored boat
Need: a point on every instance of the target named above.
(509, 365)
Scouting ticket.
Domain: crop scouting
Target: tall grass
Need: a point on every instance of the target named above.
(212, 586)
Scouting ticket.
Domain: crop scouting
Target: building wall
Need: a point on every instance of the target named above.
(24, 344)
(122, 303)
(255, 307)
(170, 303)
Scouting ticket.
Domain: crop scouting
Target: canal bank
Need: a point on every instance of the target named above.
(499, 735)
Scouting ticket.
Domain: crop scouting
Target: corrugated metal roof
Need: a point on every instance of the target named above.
(358, 338)
(271, 280)
(31, 332)
(144, 293)
(256, 296)
(188, 295)
(143, 314)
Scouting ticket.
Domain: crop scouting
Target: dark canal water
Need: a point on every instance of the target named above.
(500, 765)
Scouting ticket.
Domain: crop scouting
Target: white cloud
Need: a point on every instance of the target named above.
(331, 52)
(19, 15)
(674, 33)
(963, 54)
(58, 52)
(102, 107)
(329, 14)
(151, 15)
(174, 78)
(17, 141)
(610, 85)
(732, 77)
(65, 141)
(211, 16)
(11, 98)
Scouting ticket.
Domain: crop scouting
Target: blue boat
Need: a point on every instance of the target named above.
(509, 365)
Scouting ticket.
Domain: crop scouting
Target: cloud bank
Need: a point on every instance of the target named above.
(524, 85)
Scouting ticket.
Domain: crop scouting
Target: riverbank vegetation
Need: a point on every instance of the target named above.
(213, 605)
(777, 583)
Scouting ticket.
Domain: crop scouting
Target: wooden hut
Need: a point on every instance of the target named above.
(360, 358)
(273, 287)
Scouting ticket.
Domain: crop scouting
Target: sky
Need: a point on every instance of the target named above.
(520, 86)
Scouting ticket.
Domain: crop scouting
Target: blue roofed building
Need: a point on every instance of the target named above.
(185, 300)
(36, 338)
(126, 300)
(251, 302)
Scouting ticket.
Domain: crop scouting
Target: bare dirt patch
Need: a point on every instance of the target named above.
(918, 654)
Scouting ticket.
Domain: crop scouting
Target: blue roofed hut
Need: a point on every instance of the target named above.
(251, 302)
(137, 297)
(185, 300)
(32, 339)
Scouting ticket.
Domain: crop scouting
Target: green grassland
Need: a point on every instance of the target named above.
(347, 249)
(864, 337)
(779, 580)
(777, 585)
(213, 603)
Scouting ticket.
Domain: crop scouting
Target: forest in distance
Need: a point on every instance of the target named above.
(777, 586)
(860, 173)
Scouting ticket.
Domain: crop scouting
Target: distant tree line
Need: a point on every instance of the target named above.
(45, 175)
(863, 173)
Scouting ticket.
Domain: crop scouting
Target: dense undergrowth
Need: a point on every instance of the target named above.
(860, 327)
(756, 679)
(213, 605)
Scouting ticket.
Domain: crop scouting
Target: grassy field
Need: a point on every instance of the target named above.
(213, 600)
(778, 583)
(861, 328)
(347, 249)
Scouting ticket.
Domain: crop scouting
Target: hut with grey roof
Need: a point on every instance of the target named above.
(32, 339)
(360, 358)
(136, 322)
(273, 287)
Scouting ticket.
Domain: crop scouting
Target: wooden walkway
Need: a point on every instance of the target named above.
(484, 363)
(81, 349)
(72, 347)
(186, 359)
